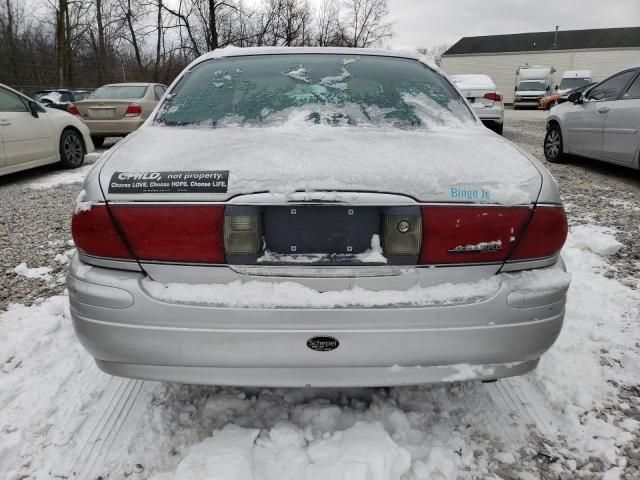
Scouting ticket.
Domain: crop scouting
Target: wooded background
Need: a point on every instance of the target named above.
(87, 43)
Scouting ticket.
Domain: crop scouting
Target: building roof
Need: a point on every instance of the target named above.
(540, 41)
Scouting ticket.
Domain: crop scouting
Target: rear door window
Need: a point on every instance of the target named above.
(634, 89)
(159, 91)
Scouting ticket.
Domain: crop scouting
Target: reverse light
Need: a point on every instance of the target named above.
(73, 110)
(242, 234)
(133, 110)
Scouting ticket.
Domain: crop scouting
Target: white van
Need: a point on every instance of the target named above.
(572, 79)
(532, 84)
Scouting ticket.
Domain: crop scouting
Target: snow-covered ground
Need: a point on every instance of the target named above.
(60, 417)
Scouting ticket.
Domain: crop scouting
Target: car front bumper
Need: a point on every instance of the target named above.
(130, 333)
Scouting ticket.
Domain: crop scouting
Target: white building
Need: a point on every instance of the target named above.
(602, 51)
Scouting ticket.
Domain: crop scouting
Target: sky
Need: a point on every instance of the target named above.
(426, 23)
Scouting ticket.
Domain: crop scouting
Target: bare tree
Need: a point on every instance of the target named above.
(435, 52)
(367, 23)
(327, 23)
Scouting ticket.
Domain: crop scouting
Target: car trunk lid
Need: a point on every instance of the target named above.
(103, 109)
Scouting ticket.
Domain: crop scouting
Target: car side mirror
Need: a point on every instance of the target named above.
(548, 88)
(576, 97)
(33, 108)
(557, 86)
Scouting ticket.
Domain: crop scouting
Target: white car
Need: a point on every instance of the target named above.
(32, 135)
(602, 123)
(481, 92)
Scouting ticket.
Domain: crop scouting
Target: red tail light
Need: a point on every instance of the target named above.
(95, 234)
(470, 234)
(133, 110)
(478, 234)
(73, 110)
(545, 234)
(494, 97)
(173, 233)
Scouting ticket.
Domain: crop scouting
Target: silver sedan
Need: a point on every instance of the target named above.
(321, 217)
(602, 123)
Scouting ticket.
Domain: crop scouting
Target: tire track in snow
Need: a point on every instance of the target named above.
(117, 402)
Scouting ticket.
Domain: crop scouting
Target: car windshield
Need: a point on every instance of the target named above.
(339, 90)
(571, 83)
(117, 92)
(531, 86)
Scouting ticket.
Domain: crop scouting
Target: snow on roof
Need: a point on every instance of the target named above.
(577, 74)
(471, 81)
(403, 52)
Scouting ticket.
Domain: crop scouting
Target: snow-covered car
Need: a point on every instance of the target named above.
(117, 109)
(602, 123)
(483, 95)
(324, 217)
(32, 135)
(59, 98)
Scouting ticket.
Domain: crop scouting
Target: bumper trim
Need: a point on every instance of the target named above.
(317, 376)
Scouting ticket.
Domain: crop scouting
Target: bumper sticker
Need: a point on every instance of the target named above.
(213, 181)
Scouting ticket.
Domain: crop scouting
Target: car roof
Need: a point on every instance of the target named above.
(129, 84)
(401, 52)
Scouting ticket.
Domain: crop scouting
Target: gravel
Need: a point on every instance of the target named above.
(34, 224)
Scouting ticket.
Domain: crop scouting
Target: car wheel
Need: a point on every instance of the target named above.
(553, 145)
(71, 149)
(97, 141)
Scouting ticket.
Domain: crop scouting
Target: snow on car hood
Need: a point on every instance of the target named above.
(470, 164)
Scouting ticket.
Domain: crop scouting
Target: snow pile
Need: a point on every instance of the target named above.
(364, 451)
(41, 273)
(599, 240)
(371, 255)
(597, 347)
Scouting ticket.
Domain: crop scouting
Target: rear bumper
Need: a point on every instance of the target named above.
(132, 334)
(494, 114)
(115, 128)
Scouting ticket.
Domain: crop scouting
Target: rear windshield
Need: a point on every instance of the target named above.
(329, 89)
(117, 92)
(571, 83)
(531, 86)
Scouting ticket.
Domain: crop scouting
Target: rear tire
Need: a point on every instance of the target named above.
(97, 141)
(71, 149)
(553, 146)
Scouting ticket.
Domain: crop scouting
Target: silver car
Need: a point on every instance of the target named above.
(317, 217)
(602, 123)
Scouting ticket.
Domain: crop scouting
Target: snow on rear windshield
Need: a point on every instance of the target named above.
(117, 92)
(313, 89)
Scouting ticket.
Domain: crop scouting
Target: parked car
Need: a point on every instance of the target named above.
(310, 216)
(117, 110)
(602, 123)
(59, 98)
(31, 135)
(483, 95)
(547, 103)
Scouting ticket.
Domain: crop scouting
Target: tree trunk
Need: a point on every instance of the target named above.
(61, 41)
(101, 41)
(134, 40)
(213, 28)
(158, 41)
